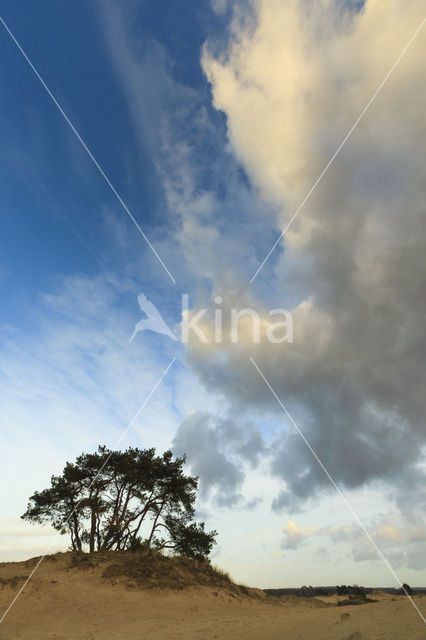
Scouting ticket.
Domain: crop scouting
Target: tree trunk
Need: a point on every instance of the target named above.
(77, 539)
(92, 530)
(154, 526)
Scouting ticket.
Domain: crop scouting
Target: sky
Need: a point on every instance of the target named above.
(210, 123)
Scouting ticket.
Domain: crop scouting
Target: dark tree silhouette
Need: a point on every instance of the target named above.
(406, 590)
(123, 500)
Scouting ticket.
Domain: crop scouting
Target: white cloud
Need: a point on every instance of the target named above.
(401, 541)
(293, 536)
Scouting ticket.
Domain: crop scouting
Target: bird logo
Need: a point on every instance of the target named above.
(153, 320)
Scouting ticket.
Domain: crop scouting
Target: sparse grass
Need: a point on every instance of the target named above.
(12, 582)
(148, 568)
(222, 572)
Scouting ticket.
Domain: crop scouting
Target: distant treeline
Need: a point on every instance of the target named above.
(355, 590)
(310, 591)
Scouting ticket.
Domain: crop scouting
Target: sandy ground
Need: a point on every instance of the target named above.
(65, 604)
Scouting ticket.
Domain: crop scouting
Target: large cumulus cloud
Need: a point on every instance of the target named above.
(292, 82)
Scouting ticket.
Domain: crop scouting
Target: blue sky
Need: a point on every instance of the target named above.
(212, 121)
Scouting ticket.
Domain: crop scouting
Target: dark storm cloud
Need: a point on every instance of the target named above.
(218, 451)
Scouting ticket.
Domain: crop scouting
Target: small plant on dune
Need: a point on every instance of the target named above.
(124, 500)
(222, 574)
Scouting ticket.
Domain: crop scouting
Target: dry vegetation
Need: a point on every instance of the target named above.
(149, 569)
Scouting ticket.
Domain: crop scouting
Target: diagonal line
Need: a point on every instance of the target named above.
(131, 423)
(317, 181)
(86, 148)
(339, 491)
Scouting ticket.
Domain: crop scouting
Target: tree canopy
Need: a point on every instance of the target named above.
(124, 499)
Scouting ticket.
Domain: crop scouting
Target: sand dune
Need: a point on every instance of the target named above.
(88, 600)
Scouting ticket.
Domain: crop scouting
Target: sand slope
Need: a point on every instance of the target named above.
(67, 601)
